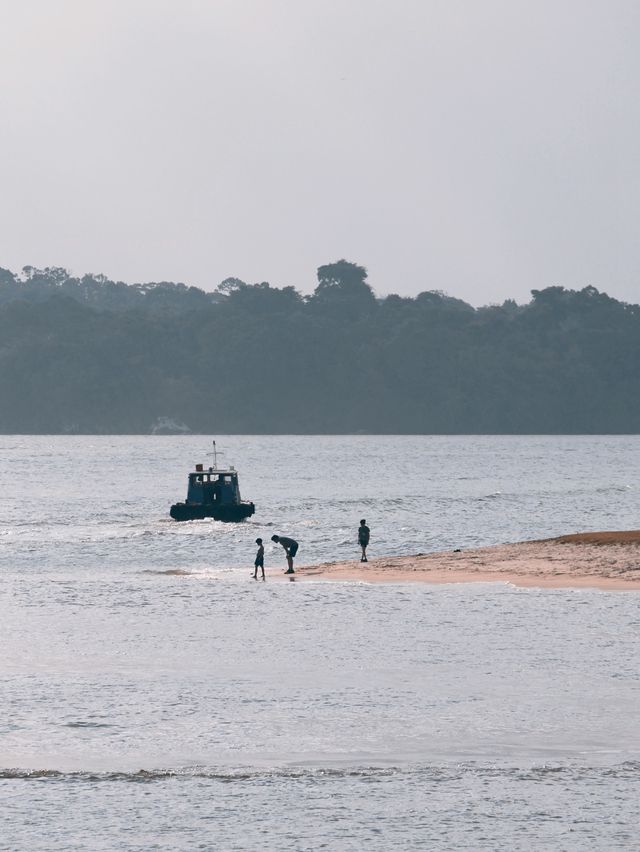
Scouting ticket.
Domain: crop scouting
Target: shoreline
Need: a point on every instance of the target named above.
(609, 561)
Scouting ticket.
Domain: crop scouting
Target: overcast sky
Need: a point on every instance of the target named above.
(481, 147)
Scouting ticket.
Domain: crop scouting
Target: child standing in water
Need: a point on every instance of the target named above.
(259, 563)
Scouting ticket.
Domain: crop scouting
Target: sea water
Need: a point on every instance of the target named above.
(154, 696)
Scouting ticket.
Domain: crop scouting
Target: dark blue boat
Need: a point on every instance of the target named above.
(213, 493)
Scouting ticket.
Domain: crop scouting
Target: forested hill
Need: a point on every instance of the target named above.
(98, 291)
(90, 355)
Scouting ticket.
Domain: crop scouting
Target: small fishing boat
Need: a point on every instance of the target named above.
(213, 493)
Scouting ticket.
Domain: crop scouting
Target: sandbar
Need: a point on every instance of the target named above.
(607, 560)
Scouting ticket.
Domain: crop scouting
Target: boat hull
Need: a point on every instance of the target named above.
(197, 511)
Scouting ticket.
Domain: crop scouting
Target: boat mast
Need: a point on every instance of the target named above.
(215, 456)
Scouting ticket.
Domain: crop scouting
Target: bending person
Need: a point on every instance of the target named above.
(290, 548)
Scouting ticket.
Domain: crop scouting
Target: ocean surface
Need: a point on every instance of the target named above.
(155, 697)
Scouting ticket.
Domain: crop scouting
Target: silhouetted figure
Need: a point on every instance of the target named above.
(259, 562)
(363, 539)
(290, 548)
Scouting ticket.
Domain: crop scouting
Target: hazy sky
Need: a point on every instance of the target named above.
(481, 147)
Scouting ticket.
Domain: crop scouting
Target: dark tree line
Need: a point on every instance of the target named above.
(97, 291)
(92, 355)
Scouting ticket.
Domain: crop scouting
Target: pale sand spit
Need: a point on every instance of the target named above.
(603, 560)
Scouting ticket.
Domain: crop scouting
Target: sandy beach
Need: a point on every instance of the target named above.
(603, 560)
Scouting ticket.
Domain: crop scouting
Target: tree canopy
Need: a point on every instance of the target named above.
(92, 355)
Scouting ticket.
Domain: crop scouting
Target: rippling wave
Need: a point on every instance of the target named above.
(628, 770)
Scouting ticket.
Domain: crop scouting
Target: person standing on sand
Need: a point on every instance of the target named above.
(290, 548)
(259, 563)
(363, 539)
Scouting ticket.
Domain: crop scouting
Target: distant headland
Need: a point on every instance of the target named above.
(87, 355)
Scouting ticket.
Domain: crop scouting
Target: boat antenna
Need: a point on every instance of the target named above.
(215, 456)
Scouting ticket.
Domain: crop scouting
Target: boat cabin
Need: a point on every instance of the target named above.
(213, 486)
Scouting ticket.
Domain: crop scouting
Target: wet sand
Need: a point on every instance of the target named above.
(602, 560)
